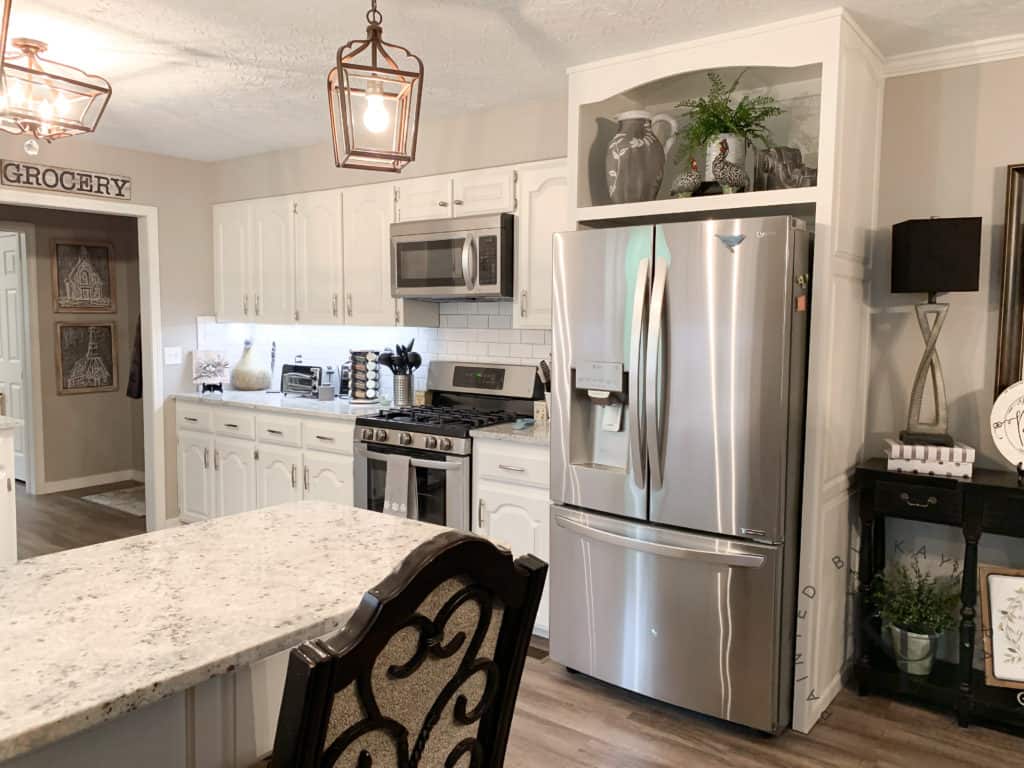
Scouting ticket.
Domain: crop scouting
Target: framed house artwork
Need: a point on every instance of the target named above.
(86, 358)
(83, 277)
(1002, 615)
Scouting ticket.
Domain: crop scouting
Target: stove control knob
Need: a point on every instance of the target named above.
(446, 444)
(430, 442)
(367, 433)
(405, 438)
(381, 435)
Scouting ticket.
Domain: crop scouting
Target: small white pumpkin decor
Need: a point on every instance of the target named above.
(247, 375)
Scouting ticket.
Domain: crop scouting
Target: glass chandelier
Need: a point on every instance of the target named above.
(374, 96)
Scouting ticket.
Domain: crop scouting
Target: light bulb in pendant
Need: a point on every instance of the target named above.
(375, 118)
(62, 105)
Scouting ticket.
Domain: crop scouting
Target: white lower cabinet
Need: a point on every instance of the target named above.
(327, 477)
(195, 481)
(277, 475)
(234, 483)
(512, 514)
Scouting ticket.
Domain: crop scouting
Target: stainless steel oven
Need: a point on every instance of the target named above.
(440, 482)
(469, 257)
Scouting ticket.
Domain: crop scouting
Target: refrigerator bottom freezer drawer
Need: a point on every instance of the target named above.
(688, 619)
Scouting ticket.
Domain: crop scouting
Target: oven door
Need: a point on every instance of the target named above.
(442, 483)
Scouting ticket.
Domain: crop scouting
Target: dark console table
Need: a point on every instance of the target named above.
(990, 502)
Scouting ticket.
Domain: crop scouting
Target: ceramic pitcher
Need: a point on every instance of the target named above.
(635, 161)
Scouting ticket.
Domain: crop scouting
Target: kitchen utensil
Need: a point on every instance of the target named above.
(545, 375)
(415, 361)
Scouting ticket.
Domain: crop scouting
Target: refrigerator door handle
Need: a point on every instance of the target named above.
(652, 403)
(731, 559)
(638, 338)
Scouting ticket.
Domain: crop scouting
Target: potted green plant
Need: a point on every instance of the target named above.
(916, 609)
(714, 117)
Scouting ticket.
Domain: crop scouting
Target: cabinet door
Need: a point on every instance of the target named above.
(273, 260)
(318, 262)
(426, 198)
(232, 283)
(517, 519)
(327, 477)
(488, 191)
(277, 476)
(543, 211)
(195, 487)
(367, 247)
(234, 463)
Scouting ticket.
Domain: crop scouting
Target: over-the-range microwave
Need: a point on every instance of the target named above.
(469, 257)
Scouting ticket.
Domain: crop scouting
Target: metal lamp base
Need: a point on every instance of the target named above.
(935, 432)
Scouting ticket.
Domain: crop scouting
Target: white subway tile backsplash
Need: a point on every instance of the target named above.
(499, 350)
(532, 337)
(457, 348)
(520, 350)
(500, 321)
(541, 351)
(455, 321)
(478, 321)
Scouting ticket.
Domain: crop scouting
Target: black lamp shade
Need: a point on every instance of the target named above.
(936, 255)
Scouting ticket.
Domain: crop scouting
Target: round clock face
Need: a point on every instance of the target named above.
(1008, 423)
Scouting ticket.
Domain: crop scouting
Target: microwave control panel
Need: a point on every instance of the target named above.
(487, 254)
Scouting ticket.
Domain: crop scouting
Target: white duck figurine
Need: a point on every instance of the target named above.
(687, 183)
(731, 177)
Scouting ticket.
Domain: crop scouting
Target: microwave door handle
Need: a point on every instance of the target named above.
(469, 262)
(655, 392)
(637, 438)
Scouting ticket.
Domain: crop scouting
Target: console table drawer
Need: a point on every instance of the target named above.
(918, 500)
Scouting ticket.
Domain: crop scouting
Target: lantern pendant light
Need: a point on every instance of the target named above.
(374, 97)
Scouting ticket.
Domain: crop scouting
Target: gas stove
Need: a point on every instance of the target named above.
(430, 427)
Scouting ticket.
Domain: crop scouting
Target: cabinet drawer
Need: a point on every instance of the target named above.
(333, 436)
(198, 418)
(279, 430)
(525, 465)
(917, 500)
(234, 422)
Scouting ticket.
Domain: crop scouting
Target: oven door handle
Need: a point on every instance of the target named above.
(444, 466)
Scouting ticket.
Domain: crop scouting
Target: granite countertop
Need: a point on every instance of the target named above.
(278, 403)
(537, 434)
(6, 422)
(92, 633)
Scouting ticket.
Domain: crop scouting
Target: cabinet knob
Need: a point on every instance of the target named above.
(457, 202)
(443, 203)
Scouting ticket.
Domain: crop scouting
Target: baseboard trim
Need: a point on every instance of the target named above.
(88, 481)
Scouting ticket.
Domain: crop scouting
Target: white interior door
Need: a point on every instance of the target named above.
(12, 343)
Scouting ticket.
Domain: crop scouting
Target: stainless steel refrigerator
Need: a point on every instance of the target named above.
(676, 450)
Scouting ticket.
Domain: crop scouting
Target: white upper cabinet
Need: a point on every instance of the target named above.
(231, 273)
(491, 190)
(426, 198)
(367, 215)
(318, 257)
(543, 211)
(273, 259)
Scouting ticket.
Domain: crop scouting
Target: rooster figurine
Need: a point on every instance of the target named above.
(686, 183)
(731, 177)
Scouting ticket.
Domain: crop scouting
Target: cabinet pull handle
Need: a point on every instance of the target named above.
(457, 202)
(349, 302)
(334, 305)
(192, 419)
(277, 432)
(206, 458)
(245, 305)
(325, 438)
(216, 461)
(295, 476)
(231, 426)
(930, 501)
(257, 305)
(522, 303)
(10, 485)
(480, 515)
(442, 203)
(511, 468)
(305, 479)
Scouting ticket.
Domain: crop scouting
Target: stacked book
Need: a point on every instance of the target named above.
(946, 461)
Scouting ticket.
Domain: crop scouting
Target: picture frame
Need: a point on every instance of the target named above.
(86, 358)
(1010, 343)
(83, 277)
(1002, 615)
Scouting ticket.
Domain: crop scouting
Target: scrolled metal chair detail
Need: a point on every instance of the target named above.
(425, 673)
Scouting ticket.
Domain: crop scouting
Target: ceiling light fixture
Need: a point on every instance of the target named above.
(374, 98)
(46, 99)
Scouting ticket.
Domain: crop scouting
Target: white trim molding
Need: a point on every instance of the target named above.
(91, 481)
(960, 55)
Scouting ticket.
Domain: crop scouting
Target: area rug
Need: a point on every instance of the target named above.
(130, 500)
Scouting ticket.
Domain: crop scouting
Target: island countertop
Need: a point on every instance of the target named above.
(93, 633)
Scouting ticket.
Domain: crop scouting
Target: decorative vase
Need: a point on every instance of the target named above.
(635, 161)
(737, 153)
(247, 375)
(914, 653)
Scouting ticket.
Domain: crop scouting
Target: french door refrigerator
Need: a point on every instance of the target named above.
(676, 449)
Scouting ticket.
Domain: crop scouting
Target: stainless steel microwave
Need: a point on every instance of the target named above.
(469, 257)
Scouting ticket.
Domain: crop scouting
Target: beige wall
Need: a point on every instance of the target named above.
(91, 433)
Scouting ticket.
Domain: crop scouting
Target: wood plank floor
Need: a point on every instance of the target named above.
(572, 721)
(60, 521)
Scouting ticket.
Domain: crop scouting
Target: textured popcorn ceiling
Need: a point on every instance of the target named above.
(214, 79)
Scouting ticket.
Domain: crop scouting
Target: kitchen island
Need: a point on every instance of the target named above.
(169, 648)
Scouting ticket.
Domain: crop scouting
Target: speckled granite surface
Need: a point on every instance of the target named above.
(538, 434)
(300, 406)
(91, 633)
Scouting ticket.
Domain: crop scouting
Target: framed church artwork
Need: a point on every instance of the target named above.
(86, 358)
(83, 277)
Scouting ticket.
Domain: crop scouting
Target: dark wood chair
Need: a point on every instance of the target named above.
(427, 670)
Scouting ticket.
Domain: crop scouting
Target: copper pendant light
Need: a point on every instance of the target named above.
(374, 96)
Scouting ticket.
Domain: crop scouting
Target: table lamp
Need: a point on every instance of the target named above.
(933, 256)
